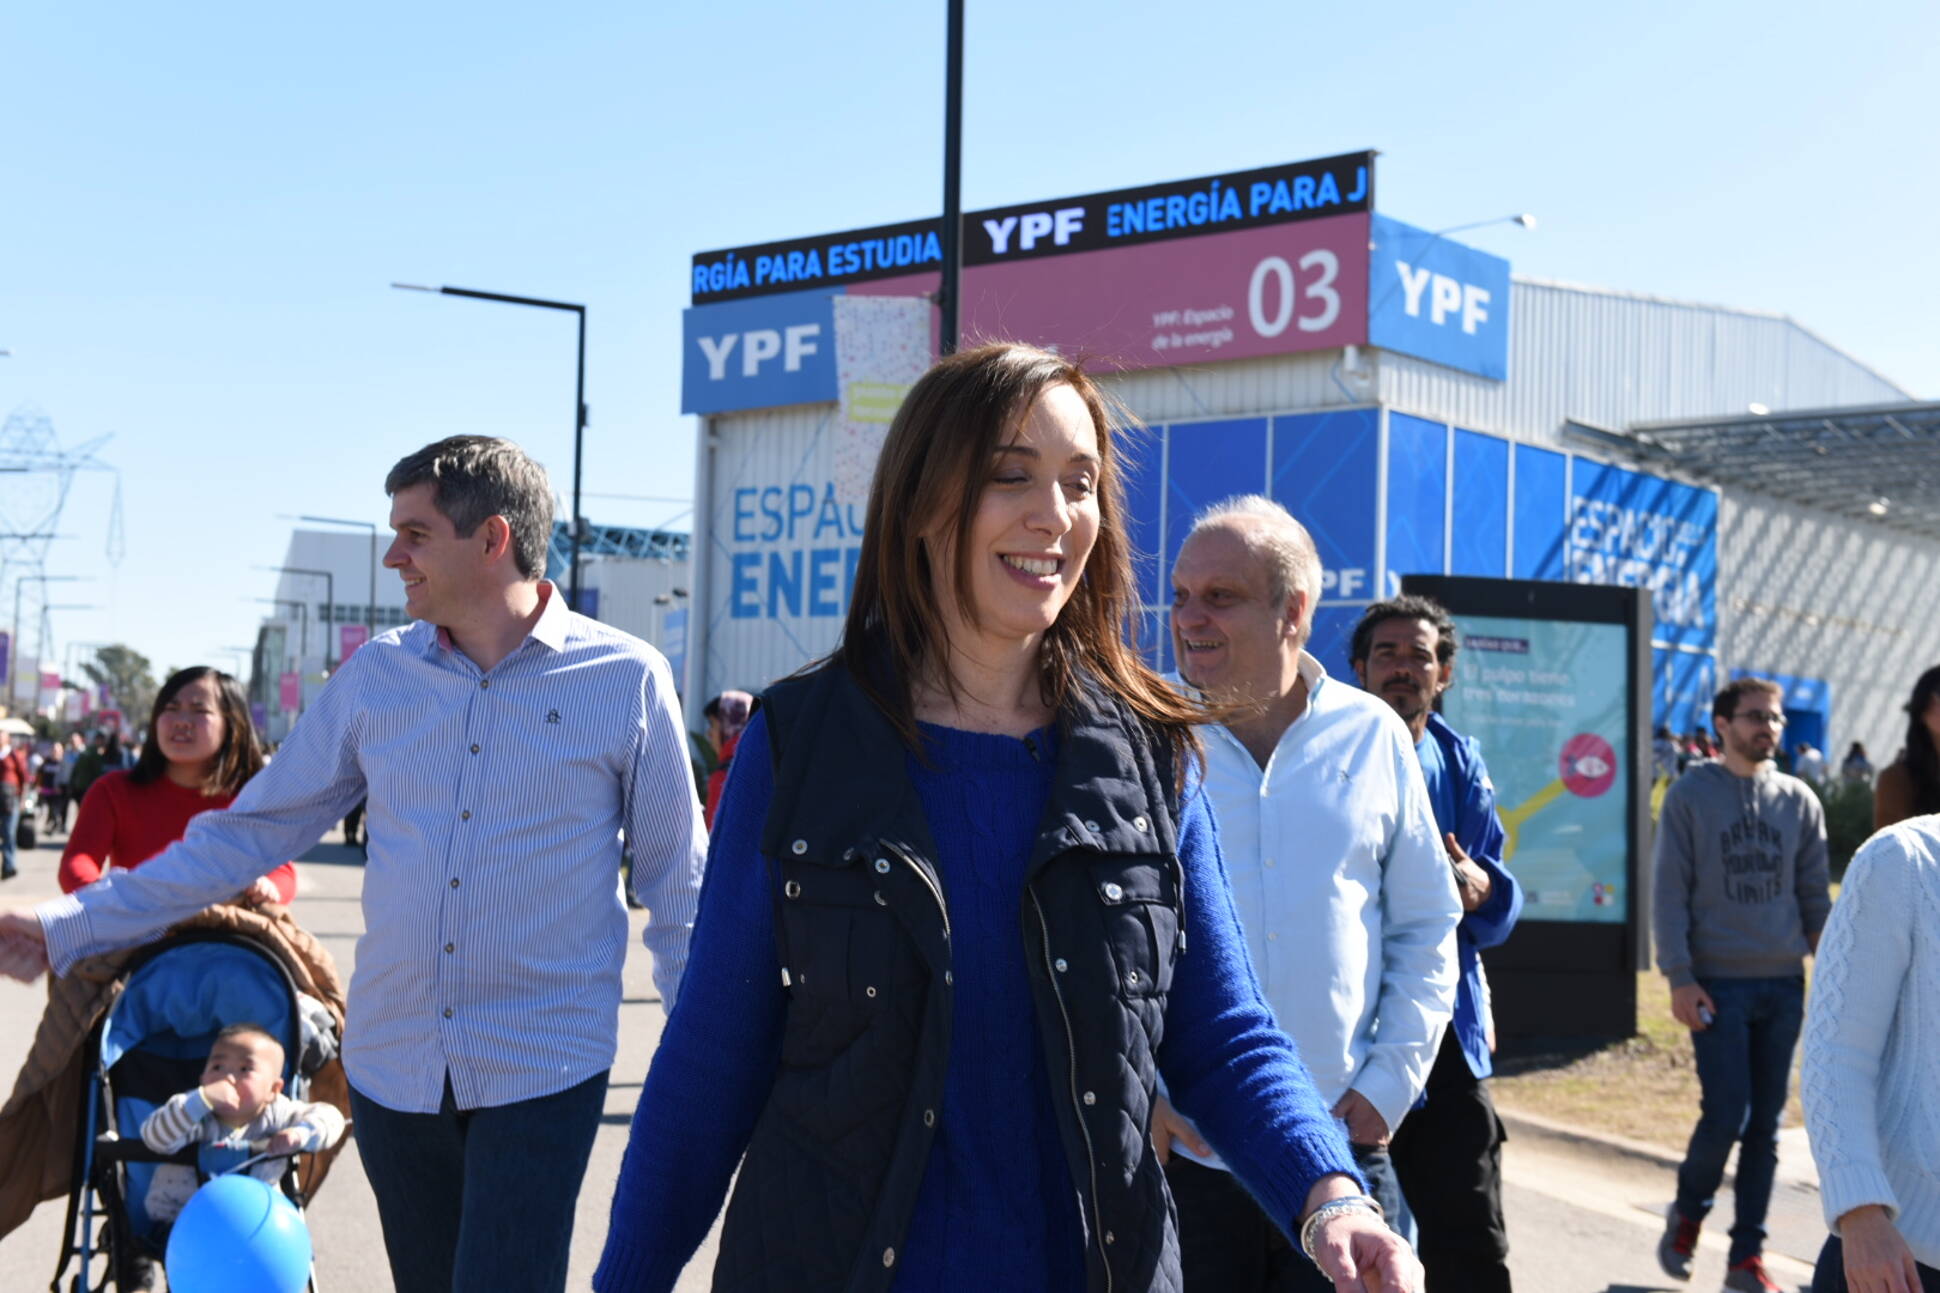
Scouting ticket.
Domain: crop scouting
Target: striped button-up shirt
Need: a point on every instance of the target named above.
(494, 929)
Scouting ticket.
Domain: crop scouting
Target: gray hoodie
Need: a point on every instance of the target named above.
(1741, 880)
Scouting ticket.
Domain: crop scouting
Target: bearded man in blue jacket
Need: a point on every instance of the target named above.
(1448, 1152)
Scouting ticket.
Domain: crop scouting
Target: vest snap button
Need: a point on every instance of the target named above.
(1110, 1238)
(1092, 827)
(929, 1117)
(880, 900)
(1132, 978)
(869, 992)
(1060, 963)
(1113, 893)
(1090, 1098)
(889, 1257)
(882, 866)
(793, 889)
(799, 847)
(949, 979)
(1140, 824)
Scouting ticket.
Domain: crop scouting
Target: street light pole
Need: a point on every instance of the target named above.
(579, 397)
(302, 622)
(949, 295)
(370, 610)
(329, 609)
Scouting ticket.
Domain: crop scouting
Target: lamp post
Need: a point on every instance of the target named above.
(13, 655)
(579, 395)
(329, 608)
(302, 621)
(949, 293)
(370, 608)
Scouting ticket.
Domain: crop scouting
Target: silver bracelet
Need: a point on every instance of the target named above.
(1334, 1207)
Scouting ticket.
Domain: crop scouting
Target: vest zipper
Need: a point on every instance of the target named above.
(942, 908)
(1077, 1105)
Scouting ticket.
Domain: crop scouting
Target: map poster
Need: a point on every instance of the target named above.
(1546, 700)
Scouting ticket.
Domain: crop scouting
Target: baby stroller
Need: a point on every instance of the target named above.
(176, 996)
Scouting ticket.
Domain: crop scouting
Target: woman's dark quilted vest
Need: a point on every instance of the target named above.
(832, 1169)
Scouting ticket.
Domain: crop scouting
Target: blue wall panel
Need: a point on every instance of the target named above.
(1333, 634)
(1417, 496)
(1326, 471)
(1209, 461)
(1542, 481)
(1479, 538)
(1141, 458)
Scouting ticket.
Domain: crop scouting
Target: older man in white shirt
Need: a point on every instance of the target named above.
(1338, 872)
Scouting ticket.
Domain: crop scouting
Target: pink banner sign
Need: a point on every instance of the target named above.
(1274, 290)
(290, 691)
(349, 638)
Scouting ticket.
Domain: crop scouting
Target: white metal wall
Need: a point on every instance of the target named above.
(1613, 358)
(1818, 596)
(628, 587)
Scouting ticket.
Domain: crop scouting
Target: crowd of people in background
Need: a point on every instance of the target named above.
(1017, 965)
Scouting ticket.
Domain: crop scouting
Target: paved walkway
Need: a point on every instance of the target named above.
(1583, 1212)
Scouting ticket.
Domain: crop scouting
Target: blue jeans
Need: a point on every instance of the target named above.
(1744, 1067)
(479, 1198)
(10, 806)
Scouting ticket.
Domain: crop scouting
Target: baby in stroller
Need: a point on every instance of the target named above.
(237, 1114)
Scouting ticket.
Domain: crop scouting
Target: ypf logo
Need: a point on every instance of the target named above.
(793, 343)
(1445, 297)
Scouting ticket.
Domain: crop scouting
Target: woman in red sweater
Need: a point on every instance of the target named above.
(201, 748)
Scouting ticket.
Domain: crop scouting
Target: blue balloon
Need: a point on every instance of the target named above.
(238, 1235)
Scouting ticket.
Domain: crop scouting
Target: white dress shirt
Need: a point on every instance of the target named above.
(1344, 891)
(494, 929)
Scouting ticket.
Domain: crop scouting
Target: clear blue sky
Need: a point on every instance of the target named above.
(204, 204)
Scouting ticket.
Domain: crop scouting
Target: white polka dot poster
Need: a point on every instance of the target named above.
(882, 345)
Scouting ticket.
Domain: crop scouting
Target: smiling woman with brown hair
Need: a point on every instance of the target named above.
(200, 751)
(964, 908)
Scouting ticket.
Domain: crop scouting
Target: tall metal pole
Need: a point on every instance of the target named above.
(329, 609)
(579, 440)
(949, 296)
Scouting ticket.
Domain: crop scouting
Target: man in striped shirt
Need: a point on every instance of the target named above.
(504, 743)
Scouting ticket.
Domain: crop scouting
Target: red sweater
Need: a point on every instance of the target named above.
(123, 824)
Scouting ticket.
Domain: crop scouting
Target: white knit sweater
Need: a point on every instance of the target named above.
(1872, 1038)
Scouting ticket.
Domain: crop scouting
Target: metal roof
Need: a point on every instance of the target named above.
(1873, 462)
(612, 541)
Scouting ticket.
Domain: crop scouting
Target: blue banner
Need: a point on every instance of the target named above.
(1438, 300)
(1479, 537)
(1642, 531)
(1541, 507)
(758, 353)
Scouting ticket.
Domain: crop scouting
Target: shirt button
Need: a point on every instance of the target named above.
(1273, 936)
(1268, 862)
(454, 882)
(465, 816)
(451, 947)
(474, 749)
(447, 1012)
(484, 684)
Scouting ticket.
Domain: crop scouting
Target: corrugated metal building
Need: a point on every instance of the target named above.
(1403, 466)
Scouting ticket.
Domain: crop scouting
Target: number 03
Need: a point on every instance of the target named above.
(1321, 291)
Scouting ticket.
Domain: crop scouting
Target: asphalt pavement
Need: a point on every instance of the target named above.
(1583, 1212)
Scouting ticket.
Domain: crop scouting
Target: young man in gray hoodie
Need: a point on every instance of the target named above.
(1741, 896)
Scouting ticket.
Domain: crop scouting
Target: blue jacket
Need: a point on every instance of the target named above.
(1479, 831)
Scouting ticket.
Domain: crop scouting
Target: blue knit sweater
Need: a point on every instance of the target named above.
(997, 1208)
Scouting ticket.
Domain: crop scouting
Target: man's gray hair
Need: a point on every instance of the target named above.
(1269, 530)
(476, 477)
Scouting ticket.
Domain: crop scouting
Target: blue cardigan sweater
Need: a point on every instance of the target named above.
(997, 1208)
